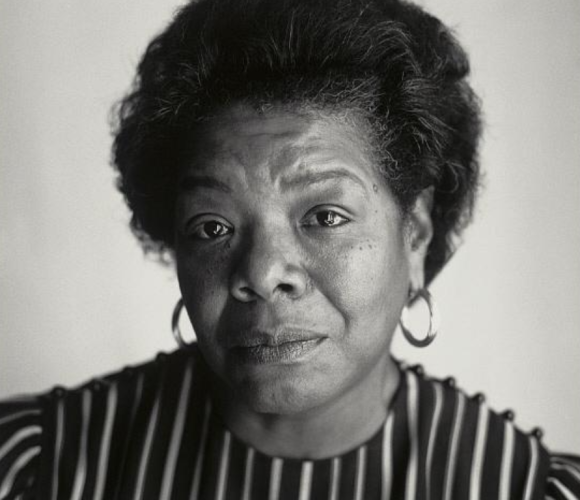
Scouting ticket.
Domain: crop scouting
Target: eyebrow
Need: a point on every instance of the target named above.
(191, 182)
(314, 177)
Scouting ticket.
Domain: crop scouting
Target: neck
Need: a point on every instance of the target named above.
(327, 430)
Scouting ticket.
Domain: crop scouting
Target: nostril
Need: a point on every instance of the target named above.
(286, 288)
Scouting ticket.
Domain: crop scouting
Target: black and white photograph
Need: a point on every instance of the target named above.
(290, 250)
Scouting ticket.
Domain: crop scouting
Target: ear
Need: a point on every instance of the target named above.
(419, 234)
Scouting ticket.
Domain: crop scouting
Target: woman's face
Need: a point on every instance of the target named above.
(292, 257)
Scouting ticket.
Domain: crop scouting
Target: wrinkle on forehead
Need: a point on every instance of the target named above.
(279, 144)
(239, 133)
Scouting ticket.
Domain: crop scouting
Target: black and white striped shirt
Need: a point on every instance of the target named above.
(149, 433)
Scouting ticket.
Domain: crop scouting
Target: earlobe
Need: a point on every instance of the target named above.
(420, 233)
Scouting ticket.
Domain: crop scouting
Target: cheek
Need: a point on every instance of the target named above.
(203, 284)
(366, 279)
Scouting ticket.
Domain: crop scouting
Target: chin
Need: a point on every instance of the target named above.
(281, 397)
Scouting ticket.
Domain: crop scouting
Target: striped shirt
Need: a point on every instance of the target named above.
(149, 432)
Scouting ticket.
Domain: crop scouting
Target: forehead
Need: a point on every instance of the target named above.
(279, 143)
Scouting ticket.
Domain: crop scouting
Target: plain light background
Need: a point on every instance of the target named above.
(78, 299)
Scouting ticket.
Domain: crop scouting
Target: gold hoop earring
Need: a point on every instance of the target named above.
(434, 320)
(175, 326)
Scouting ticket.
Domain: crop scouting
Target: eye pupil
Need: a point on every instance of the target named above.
(327, 218)
(213, 228)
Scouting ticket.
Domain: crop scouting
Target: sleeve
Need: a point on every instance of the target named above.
(20, 444)
(563, 478)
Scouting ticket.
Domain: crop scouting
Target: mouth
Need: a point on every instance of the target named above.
(280, 346)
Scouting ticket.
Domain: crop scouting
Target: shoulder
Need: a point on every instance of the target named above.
(20, 444)
(474, 447)
(563, 479)
(43, 437)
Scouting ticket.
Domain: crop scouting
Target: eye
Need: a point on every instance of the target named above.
(211, 230)
(326, 218)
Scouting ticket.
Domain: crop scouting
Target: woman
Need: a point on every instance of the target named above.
(309, 166)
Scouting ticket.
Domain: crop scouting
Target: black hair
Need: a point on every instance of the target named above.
(388, 60)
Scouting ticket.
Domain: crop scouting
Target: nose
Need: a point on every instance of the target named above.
(268, 265)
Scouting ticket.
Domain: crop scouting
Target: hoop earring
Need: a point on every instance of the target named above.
(175, 325)
(434, 320)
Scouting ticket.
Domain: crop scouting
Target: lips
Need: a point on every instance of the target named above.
(281, 345)
(271, 337)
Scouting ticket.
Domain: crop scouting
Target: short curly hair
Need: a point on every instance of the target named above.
(388, 60)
